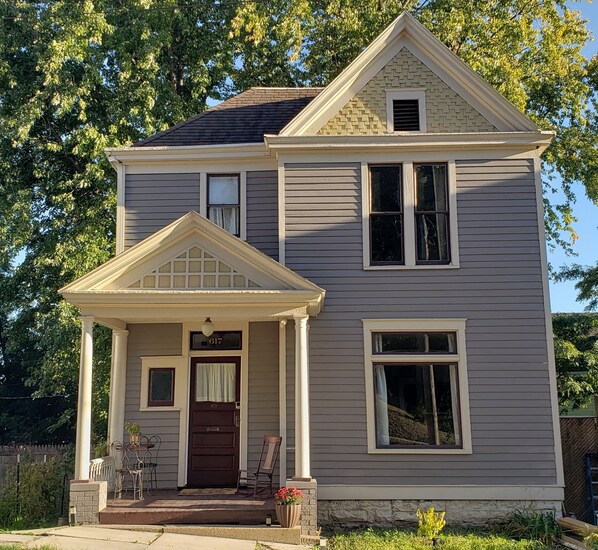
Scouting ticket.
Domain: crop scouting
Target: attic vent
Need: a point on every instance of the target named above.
(405, 115)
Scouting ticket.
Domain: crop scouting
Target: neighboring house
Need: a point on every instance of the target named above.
(371, 259)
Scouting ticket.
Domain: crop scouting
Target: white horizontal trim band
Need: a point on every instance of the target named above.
(440, 492)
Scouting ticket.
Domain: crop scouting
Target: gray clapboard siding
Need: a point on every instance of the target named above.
(148, 340)
(498, 289)
(262, 211)
(263, 388)
(152, 201)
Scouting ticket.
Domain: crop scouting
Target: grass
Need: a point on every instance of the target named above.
(401, 539)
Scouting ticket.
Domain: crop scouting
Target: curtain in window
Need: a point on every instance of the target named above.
(215, 382)
(225, 217)
(382, 434)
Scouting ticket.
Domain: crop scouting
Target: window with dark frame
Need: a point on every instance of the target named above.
(432, 238)
(219, 340)
(386, 215)
(161, 387)
(416, 401)
(224, 207)
(405, 115)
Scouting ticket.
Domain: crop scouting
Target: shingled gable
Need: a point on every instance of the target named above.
(407, 32)
(244, 118)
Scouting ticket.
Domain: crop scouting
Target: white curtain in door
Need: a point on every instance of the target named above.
(215, 382)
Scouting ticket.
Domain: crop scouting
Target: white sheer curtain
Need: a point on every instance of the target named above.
(382, 435)
(215, 382)
(225, 217)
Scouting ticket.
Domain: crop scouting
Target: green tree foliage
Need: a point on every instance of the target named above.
(587, 283)
(576, 354)
(77, 76)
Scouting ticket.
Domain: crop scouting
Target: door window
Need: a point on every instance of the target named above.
(215, 382)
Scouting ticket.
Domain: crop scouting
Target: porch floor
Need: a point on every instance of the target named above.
(172, 507)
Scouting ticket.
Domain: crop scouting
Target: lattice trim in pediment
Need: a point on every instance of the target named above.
(194, 269)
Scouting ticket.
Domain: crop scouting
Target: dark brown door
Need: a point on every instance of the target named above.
(214, 422)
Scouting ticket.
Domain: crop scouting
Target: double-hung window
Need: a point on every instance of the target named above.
(224, 205)
(417, 386)
(409, 217)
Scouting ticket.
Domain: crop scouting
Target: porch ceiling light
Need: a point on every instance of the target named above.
(207, 327)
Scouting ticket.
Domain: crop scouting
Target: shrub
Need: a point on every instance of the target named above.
(541, 526)
(430, 523)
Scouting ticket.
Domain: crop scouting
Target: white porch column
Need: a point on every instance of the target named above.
(116, 415)
(83, 443)
(302, 447)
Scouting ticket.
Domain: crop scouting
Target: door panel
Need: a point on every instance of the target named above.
(214, 422)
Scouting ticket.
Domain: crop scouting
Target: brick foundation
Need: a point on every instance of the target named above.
(466, 513)
(89, 498)
(309, 506)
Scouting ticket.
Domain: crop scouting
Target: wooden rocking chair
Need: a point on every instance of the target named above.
(265, 468)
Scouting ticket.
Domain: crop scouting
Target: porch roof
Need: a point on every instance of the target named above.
(190, 270)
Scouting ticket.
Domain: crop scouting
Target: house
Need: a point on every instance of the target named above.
(360, 269)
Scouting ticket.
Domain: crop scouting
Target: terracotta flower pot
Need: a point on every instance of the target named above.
(288, 514)
(134, 439)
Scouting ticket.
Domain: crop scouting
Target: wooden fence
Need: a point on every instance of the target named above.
(10, 455)
(579, 436)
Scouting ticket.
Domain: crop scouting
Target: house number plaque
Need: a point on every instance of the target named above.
(220, 340)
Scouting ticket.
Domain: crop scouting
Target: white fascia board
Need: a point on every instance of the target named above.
(536, 140)
(406, 31)
(186, 153)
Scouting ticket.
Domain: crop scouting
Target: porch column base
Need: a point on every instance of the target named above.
(90, 498)
(309, 508)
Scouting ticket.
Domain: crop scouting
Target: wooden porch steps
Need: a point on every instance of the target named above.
(260, 533)
(574, 531)
(172, 507)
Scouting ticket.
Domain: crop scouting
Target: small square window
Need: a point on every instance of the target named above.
(161, 388)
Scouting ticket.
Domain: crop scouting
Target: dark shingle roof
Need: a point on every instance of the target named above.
(244, 118)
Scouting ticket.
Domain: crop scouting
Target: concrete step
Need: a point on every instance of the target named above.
(260, 533)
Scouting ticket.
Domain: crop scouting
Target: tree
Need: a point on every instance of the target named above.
(576, 354)
(77, 76)
(587, 283)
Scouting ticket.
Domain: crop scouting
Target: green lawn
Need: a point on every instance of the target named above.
(400, 539)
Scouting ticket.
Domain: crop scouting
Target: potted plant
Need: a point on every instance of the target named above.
(134, 430)
(288, 506)
(430, 524)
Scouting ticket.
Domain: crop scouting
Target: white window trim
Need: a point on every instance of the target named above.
(176, 362)
(382, 325)
(409, 216)
(418, 94)
(203, 197)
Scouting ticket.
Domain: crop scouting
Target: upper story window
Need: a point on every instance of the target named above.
(224, 207)
(431, 214)
(386, 214)
(411, 219)
(406, 111)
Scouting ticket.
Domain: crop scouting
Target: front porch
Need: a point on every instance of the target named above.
(210, 403)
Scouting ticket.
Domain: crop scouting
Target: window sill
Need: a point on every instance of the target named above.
(160, 409)
(420, 451)
(408, 267)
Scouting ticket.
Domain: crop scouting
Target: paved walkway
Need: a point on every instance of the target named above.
(96, 538)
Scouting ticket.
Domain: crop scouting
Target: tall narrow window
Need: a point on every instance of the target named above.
(432, 214)
(386, 215)
(223, 201)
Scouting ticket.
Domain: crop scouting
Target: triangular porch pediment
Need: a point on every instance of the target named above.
(190, 261)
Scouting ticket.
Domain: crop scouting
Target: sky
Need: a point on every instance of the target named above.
(563, 295)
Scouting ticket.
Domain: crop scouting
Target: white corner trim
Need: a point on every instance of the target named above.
(281, 214)
(243, 205)
(176, 362)
(382, 325)
(554, 400)
(120, 207)
(406, 93)
(440, 492)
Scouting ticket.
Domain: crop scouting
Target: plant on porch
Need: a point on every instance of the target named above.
(134, 431)
(288, 506)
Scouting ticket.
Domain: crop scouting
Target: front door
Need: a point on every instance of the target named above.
(214, 422)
